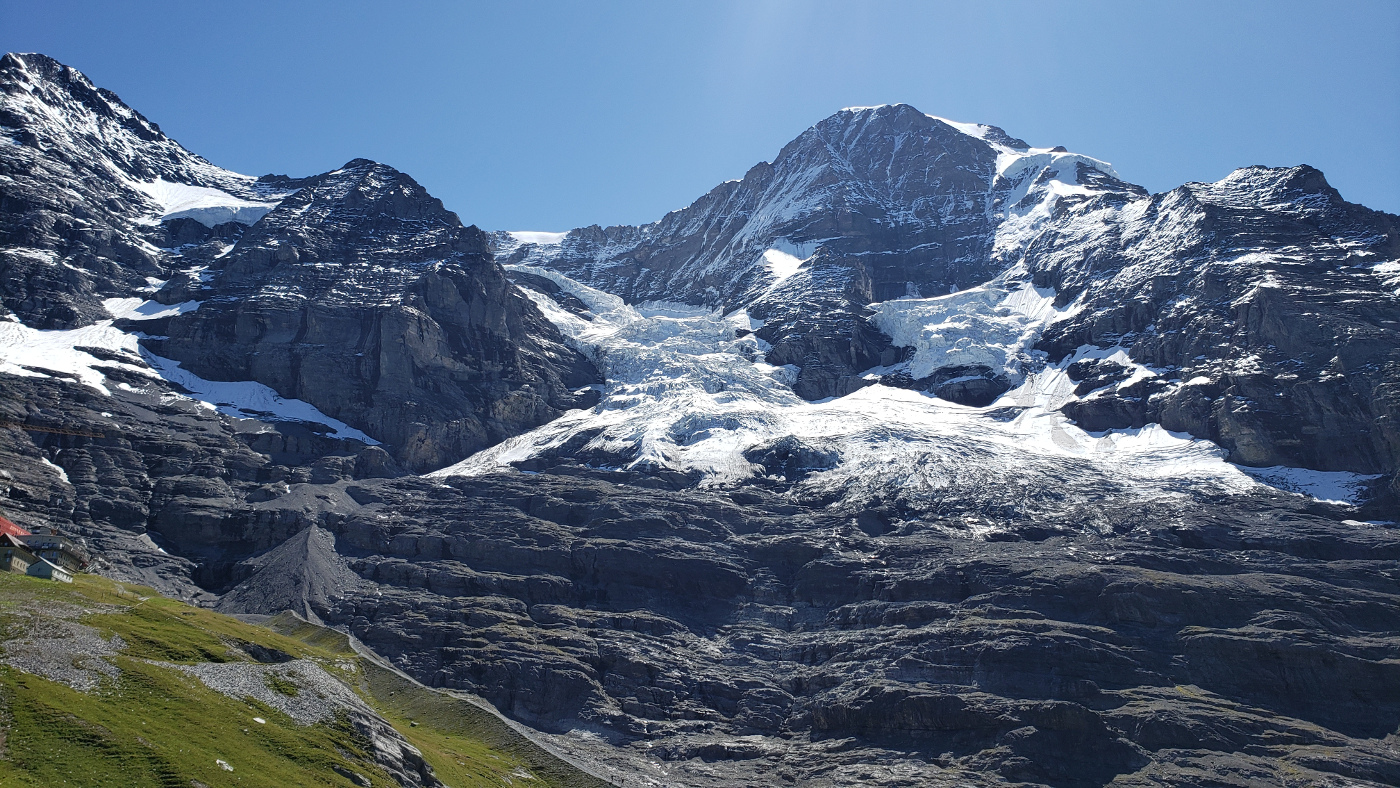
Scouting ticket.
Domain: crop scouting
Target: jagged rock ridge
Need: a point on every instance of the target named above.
(362, 295)
(1270, 298)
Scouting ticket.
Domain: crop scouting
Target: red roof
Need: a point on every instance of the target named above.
(7, 527)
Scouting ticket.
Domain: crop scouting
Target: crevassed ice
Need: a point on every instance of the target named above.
(684, 392)
(993, 326)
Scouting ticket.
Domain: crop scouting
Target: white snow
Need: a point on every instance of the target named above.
(993, 326)
(205, 205)
(23, 350)
(534, 237)
(62, 474)
(978, 130)
(1339, 487)
(138, 309)
(1389, 274)
(682, 391)
(249, 400)
(29, 352)
(781, 264)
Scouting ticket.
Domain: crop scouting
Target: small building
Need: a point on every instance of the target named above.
(14, 555)
(49, 571)
(7, 527)
(57, 549)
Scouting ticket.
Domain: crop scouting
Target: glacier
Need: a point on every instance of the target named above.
(689, 392)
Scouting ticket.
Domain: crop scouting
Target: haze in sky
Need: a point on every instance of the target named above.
(551, 115)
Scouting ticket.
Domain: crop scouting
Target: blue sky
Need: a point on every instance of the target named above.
(546, 116)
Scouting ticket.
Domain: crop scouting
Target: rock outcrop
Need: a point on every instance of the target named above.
(1271, 301)
(746, 636)
(363, 296)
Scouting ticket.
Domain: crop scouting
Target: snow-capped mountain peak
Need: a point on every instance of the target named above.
(887, 245)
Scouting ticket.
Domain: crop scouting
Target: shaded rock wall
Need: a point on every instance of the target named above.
(361, 295)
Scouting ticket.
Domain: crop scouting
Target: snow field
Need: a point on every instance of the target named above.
(29, 352)
(205, 205)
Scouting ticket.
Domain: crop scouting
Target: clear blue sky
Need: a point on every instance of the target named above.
(546, 116)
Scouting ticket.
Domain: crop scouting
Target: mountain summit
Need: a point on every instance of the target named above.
(886, 245)
(869, 205)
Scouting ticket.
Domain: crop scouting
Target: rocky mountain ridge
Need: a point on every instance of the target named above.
(98, 234)
(361, 295)
(393, 300)
(1267, 293)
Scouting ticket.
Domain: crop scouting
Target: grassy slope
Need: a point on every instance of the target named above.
(155, 726)
(467, 745)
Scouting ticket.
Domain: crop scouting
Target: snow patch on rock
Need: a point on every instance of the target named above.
(249, 400)
(1337, 487)
(533, 237)
(29, 352)
(206, 205)
(140, 309)
(993, 326)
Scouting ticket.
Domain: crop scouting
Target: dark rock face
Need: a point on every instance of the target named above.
(169, 492)
(1265, 297)
(361, 295)
(730, 633)
(974, 386)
